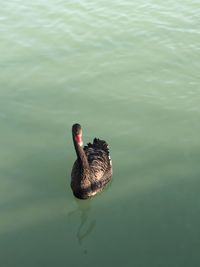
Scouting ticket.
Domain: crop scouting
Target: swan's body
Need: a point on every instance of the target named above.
(93, 168)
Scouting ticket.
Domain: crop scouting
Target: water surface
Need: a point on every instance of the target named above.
(129, 73)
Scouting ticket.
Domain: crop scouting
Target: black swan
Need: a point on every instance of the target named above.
(93, 168)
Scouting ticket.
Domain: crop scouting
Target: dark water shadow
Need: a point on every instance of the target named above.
(86, 225)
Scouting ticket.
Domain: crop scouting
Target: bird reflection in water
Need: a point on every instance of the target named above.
(86, 225)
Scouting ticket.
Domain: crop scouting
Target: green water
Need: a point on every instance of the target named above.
(128, 71)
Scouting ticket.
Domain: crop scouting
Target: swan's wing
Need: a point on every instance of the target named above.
(97, 145)
(99, 159)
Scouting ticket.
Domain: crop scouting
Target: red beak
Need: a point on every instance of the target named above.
(78, 139)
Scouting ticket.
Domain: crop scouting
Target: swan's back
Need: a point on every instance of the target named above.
(99, 160)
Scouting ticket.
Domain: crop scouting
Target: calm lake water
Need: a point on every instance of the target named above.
(129, 72)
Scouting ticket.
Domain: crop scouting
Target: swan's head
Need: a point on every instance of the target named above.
(77, 134)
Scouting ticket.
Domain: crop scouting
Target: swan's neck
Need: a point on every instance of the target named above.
(81, 156)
